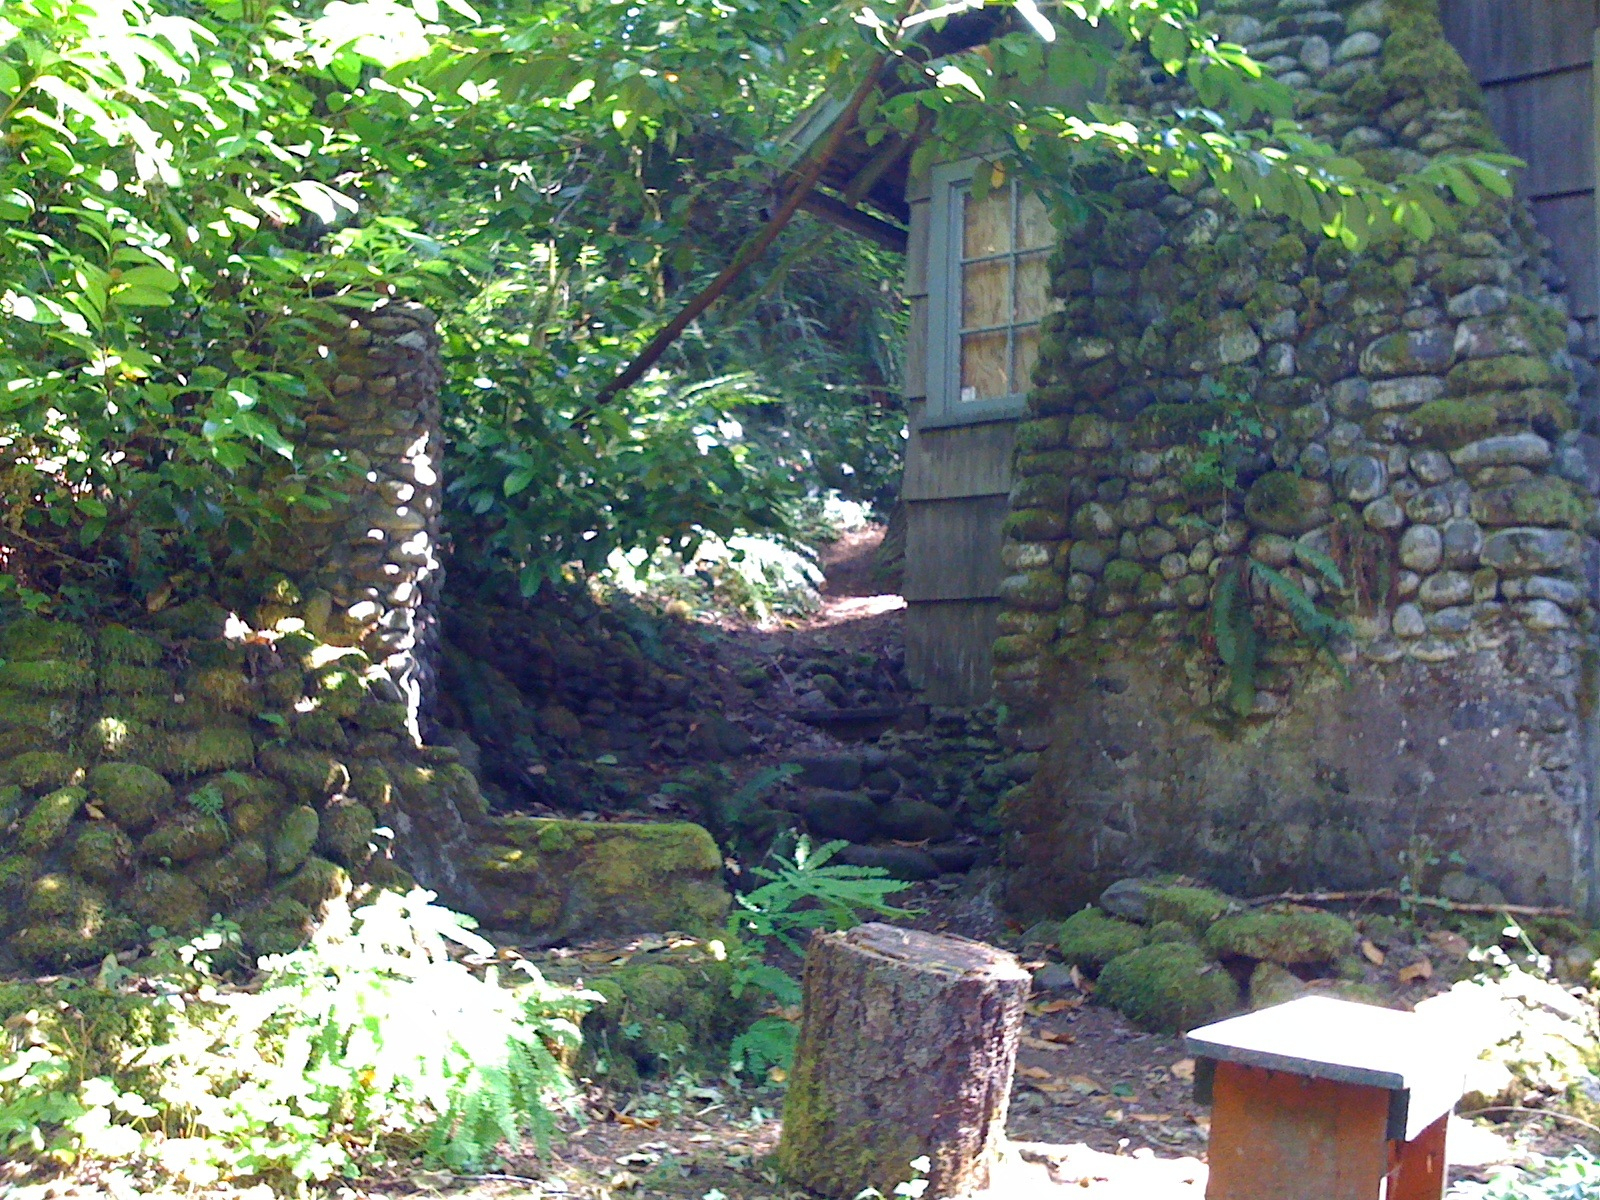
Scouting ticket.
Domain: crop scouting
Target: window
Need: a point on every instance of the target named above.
(989, 288)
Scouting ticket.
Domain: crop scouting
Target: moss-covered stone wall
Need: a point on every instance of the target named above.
(1227, 401)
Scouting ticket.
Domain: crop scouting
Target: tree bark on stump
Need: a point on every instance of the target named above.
(907, 1045)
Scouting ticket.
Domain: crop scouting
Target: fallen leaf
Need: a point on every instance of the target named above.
(1034, 1073)
(628, 1122)
(95, 813)
(1034, 1043)
(1051, 1007)
(777, 1074)
(1113, 1114)
(1448, 941)
(1421, 969)
(1059, 1036)
(625, 1181)
(1085, 1084)
(1183, 1069)
(1150, 1118)
(1371, 953)
(1048, 1086)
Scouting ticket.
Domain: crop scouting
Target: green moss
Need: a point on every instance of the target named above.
(1163, 425)
(41, 769)
(1169, 987)
(115, 737)
(102, 853)
(209, 748)
(255, 816)
(33, 639)
(1542, 500)
(320, 728)
(310, 775)
(236, 876)
(1285, 938)
(1418, 59)
(317, 882)
(185, 836)
(50, 819)
(1123, 575)
(1271, 985)
(51, 717)
(1450, 424)
(340, 692)
(1282, 502)
(168, 900)
(347, 833)
(295, 838)
(1193, 907)
(131, 794)
(119, 644)
(1172, 931)
(223, 688)
(375, 715)
(48, 677)
(1035, 524)
(125, 679)
(1508, 372)
(276, 925)
(1090, 939)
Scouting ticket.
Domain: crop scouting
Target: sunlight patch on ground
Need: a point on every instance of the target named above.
(859, 608)
(1038, 1171)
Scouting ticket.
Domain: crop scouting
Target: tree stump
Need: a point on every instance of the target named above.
(907, 1045)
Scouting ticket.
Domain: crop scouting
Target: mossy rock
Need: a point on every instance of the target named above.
(1173, 931)
(340, 692)
(1090, 939)
(317, 882)
(277, 924)
(130, 793)
(115, 738)
(1451, 424)
(119, 644)
(209, 748)
(574, 879)
(295, 838)
(1285, 938)
(47, 824)
(129, 679)
(1272, 985)
(674, 1011)
(185, 836)
(1168, 987)
(34, 639)
(223, 688)
(255, 817)
(48, 677)
(236, 876)
(1193, 907)
(39, 769)
(102, 853)
(1163, 425)
(371, 783)
(1282, 502)
(321, 729)
(41, 717)
(310, 775)
(69, 923)
(346, 833)
(168, 900)
(62, 895)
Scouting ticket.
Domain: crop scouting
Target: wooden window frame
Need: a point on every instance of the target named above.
(948, 181)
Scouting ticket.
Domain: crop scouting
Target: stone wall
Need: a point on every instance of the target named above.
(1232, 403)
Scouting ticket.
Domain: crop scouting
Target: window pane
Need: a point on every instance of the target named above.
(983, 366)
(1033, 286)
(986, 224)
(1026, 353)
(984, 294)
(1033, 224)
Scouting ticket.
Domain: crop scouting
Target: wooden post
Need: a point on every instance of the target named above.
(907, 1045)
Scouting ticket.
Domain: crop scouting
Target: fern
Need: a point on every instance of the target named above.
(1318, 627)
(1239, 647)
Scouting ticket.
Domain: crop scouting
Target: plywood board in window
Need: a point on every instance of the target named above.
(953, 548)
(959, 460)
(1569, 222)
(1548, 121)
(916, 372)
(917, 250)
(950, 650)
(1512, 39)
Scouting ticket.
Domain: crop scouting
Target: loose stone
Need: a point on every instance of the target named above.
(1530, 550)
(1558, 591)
(1479, 301)
(1544, 615)
(1463, 542)
(1519, 449)
(1445, 589)
(1365, 478)
(1421, 548)
(1409, 622)
(1406, 393)
(1358, 45)
(1431, 466)
(1384, 513)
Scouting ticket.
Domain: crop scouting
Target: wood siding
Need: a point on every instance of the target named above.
(950, 650)
(1535, 60)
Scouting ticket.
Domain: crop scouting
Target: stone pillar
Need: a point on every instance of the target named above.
(1237, 420)
(373, 565)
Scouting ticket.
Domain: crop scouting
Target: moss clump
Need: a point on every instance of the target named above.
(1169, 987)
(123, 679)
(1542, 500)
(371, 784)
(167, 900)
(236, 876)
(377, 716)
(1172, 931)
(277, 925)
(47, 824)
(1284, 938)
(317, 882)
(209, 748)
(1123, 575)
(102, 853)
(41, 769)
(295, 838)
(34, 639)
(119, 644)
(48, 677)
(113, 737)
(1451, 424)
(131, 794)
(1282, 502)
(665, 1016)
(1090, 939)
(1270, 984)
(39, 716)
(340, 692)
(1506, 373)
(347, 833)
(223, 689)
(310, 775)
(1163, 425)
(184, 837)
(250, 818)
(1193, 907)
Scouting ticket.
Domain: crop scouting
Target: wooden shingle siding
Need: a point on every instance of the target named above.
(1535, 60)
(950, 650)
(959, 460)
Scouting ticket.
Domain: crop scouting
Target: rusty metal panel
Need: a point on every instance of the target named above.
(959, 460)
(950, 650)
(1512, 39)
(1548, 121)
(953, 548)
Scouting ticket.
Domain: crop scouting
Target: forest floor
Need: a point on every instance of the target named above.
(1099, 1108)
